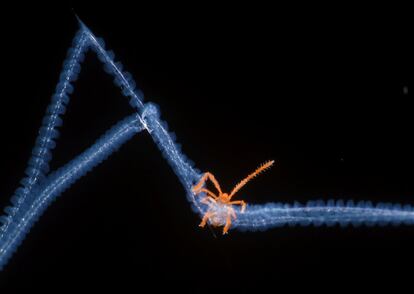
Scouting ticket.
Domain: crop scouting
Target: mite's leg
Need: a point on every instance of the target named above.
(232, 213)
(205, 219)
(241, 202)
(227, 226)
(208, 200)
(209, 193)
(204, 178)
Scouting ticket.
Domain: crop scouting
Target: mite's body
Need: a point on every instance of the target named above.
(220, 210)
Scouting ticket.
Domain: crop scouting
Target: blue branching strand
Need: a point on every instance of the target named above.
(40, 187)
(57, 182)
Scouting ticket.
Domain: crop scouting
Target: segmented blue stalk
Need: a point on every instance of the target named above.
(317, 213)
(39, 189)
(38, 165)
(60, 180)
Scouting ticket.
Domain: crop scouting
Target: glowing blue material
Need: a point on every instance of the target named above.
(317, 213)
(39, 188)
(171, 151)
(20, 217)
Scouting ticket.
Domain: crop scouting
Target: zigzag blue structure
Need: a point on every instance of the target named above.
(40, 186)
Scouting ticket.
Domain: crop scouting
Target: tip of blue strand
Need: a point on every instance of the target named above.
(80, 22)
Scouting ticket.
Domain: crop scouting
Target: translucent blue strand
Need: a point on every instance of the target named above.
(318, 213)
(60, 180)
(122, 79)
(40, 187)
(181, 165)
(41, 155)
(38, 165)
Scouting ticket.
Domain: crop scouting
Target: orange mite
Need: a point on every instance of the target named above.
(220, 208)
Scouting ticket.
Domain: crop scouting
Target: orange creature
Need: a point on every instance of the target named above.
(220, 208)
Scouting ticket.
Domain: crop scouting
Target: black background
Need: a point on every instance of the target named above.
(319, 91)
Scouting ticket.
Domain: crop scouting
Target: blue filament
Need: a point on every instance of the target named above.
(40, 186)
(25, 212)
(318, 213)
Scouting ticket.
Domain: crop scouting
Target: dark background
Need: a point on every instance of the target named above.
(319, 91)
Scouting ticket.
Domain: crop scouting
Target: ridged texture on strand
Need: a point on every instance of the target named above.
(122, 79)
(318, 213)
(19, 224)
(38, 165)
(181, 165)
(39, 188)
